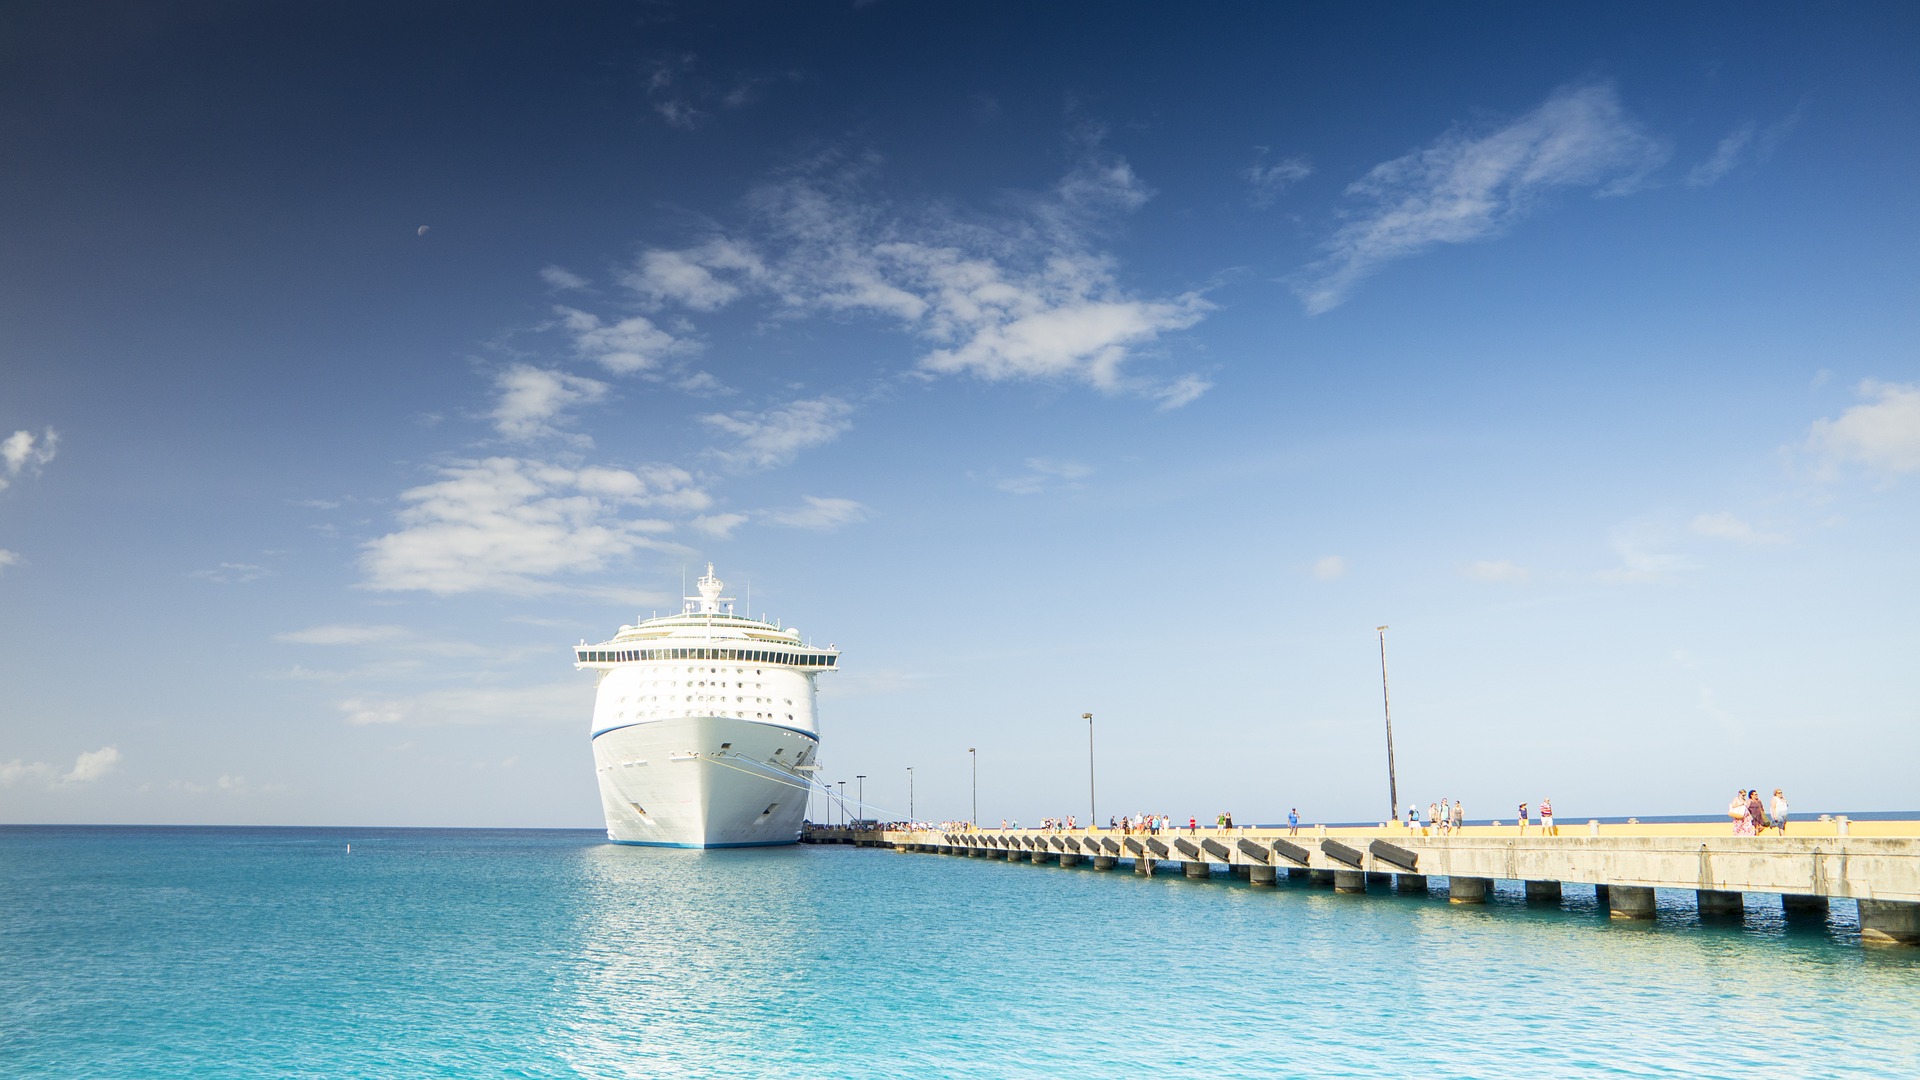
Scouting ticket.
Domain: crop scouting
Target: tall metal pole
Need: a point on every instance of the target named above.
(910, 795)
(843, 801)
(1092, 817)
(860, 805)
(1386, 704)
(975, 820)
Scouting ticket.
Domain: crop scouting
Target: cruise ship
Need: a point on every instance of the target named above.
(703, 726)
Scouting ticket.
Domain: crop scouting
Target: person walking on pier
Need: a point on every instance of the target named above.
(1459, 815)
(1757, 811)
(1742, 818)
(1547, 827)
(1293, 822)
(1780, 811)
(1523, 819)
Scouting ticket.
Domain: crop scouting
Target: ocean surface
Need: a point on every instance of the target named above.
(236, 952)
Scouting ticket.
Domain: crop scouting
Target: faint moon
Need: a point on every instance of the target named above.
(421, 231)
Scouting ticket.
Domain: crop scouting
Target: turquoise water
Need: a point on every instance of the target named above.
(271, 952)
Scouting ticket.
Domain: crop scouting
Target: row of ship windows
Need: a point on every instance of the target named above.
(751, 656)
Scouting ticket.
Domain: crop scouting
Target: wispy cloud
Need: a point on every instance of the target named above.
(24, 453)
(511, 525)
(1024, 295)
(776, 436)
(821, 515)
(233, 573)
(1883, 433)
(91, 765)
(685, 97)
(1268, 179)
(345, 634)
(630, 345)
(1496, 570)
(1747, 142)
(8, 558)
(1044, 475)
(1640, 547)
(547, 705)
(533, 402)
(562, 279)
(1330, 567)
(1725, 526)
(1471, 185)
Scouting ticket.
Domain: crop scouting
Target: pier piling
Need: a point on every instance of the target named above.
(1543, 892)
(1410, 883)
(1468, 890)
(1715, 904)
(1349, 881)
(1629, 902)
(1889, 922)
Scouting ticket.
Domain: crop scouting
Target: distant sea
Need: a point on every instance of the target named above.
(243, 952)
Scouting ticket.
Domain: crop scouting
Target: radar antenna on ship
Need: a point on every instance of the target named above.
(709, 598)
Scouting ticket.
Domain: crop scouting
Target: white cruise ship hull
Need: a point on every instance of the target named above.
(703, 782)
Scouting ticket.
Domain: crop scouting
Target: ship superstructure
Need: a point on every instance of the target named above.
(704, 732)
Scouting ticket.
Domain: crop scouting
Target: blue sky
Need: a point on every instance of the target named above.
(355, 362)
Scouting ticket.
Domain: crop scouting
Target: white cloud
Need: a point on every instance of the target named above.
(1466, 187)
(1496, 570)
(720, 526)
(562, 279)
(345, 634)
(1044, 474)
(1333, 566)
(548, 705)
(1747, 142)
(233, 573)
(534, 400)
(1725, 526)
(822, 515)
(1641, 560)
(91, 765)
(1025, 295)
(1269, 180)
(776, 436)
(688, 277)
(25, 452)
(8, 558)
(630, 345)
(1882, 434)
(508, 524)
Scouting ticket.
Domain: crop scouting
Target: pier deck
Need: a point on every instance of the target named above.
(1874, 863)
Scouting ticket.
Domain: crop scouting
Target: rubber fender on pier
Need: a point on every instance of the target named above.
(1029, 843)
(1293, 852)
(1134, 846)
(1157, 848)
(1398, 856)
(1057, 844)
(1073, 845)
(1340, 852)
(1186, 849)
(1252, 850)
(1216, 849)
(1110, 844)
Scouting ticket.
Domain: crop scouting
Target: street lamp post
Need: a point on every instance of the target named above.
(860, 801)
(975, 820)
(909, 794)
(843, 801)
(1093, 817)
(1386, 705)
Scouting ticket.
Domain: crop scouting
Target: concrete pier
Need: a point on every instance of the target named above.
(1799, 904)
(1715, 904)
(1468, 890)
(1889, 922)
(1629, 902)
(1876, 864)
